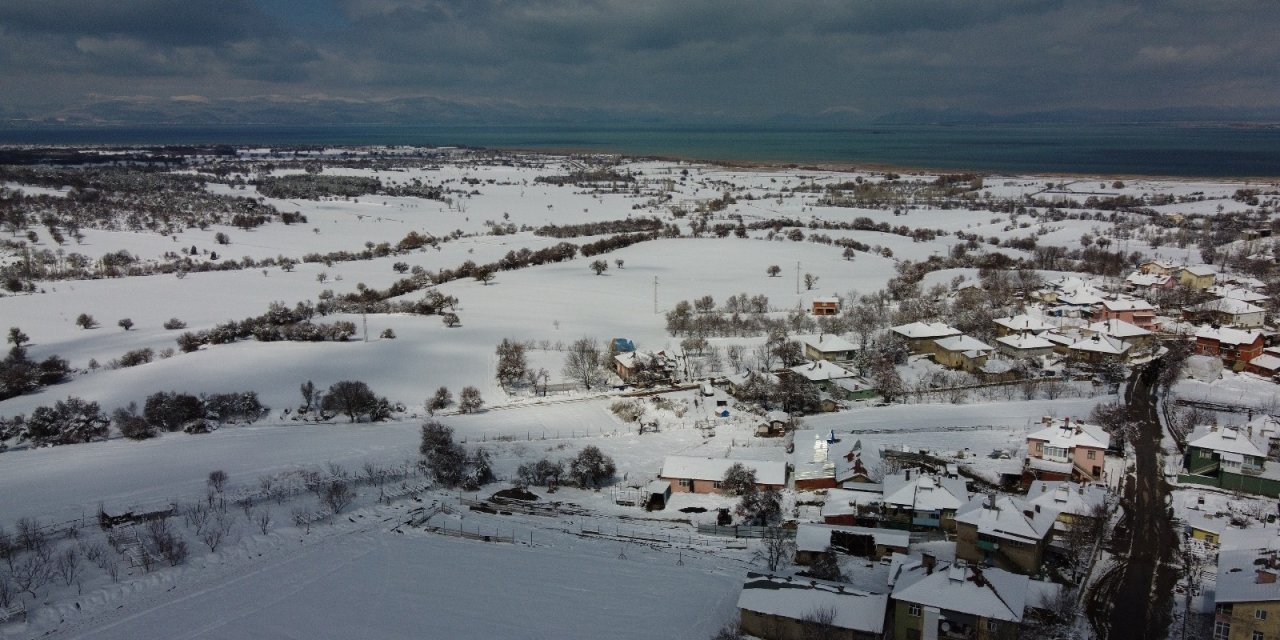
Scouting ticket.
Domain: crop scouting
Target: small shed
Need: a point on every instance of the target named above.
(659, 492)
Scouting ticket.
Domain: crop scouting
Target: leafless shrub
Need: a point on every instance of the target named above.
(337, 496)
(30, 574)
(218, 480)
(112, 568)
(197, 516)
(263, 520)
(93, 552)
(7, 590)
(67, 566)
(168, 544)
(30, 535)
(775, 548)
(217, 532)
(302, 518)
(818, 624)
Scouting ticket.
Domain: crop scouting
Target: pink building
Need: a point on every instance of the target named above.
(1067, 450)
(1135, 312)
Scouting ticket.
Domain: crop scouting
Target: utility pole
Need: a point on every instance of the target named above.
(797, 277)
(655, 295)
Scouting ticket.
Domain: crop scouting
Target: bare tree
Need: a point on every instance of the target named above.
(218, 480)
(776, 548)
(217, 532)
(67, 566)
(583, 363)
(31, 573)
(263, 520)
(819, 624)
(337, 496)
(301, 518)
(168, 544)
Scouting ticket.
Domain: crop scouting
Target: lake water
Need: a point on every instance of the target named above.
(1155, 149)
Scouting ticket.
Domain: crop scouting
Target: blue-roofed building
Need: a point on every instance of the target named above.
(623, 345)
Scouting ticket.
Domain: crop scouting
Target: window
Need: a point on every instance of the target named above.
(992, 624)
(1221, 630)
(716, 484)
(1257, 635)
(913, 610)
(1093, 455)
(1260, 614)
(686, 483)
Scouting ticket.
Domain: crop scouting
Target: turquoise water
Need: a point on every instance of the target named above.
(1208, 151)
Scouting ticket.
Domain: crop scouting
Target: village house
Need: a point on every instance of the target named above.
(1235, 347)
(850, 468)
(776, 608)
(865, 542)
(858, 505)
(644, 367)
(1067, 451)
(922, 501)
(1205, 529)
(1097, 349)
(828, 347)
(826, 306)
(1214, 451)
(1198, 277)
(1266, 365)
(1135, 312)
(1005, 532)
(775, 424)
(961, 352)
(741, 382)
(1158, 267)
(689, 474)
(1247, 595)
(1237, 293)
(1024, 345)
(942, 600)
(812, 466)
(1144, 283)
(1128, 333)
(920, 336)
(1020, 324)
(1074, 503)
(1227, 311)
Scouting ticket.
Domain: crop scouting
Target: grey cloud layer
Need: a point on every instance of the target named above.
(743, 58)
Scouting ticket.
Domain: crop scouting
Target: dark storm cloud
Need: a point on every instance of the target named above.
(742, 58)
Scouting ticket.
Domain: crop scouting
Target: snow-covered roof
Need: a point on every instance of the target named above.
(1266, 361)
(1231, 306)
(740, 379)
(827, 343)
(1011, 518)
(1099, 343)
(820, 370)
(694, 468)
(1139, 279)
(1242, 578)
(1023, 322)
(827, 299)
(1228, 335)
(1084, 296)
(1058, 338)
(1127, 304)
(1024, 341)
(1236, 293)
(1078, 434)
(1066, 497)
(925, 330)
(924, 492)
(988, 593)
(777, 416)
(1117, 329)
(846, 501)
(1200, 270)
(816, 538)
(1257, 538)
(858, 610)
(962, 343)
(1163, 264)
(1224, 440)
(659, 486)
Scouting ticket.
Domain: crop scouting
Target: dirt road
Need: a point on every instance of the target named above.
(1133, 599)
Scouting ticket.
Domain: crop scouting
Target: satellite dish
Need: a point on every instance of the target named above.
(945, 626)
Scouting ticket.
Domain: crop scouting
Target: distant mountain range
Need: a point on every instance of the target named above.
(428, 110)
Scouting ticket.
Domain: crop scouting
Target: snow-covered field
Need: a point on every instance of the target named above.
(360, 575)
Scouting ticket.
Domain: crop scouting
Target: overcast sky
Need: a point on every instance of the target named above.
(737, 58)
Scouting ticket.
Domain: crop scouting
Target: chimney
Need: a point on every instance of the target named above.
(1030, 515)
(929, 562)
(1037, 508)
(1066, 422)
(1264, 577)
(979, 580)
(908, 473)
